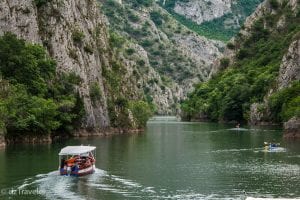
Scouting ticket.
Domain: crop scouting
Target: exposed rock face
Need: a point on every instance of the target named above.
(74, 33)
(175, 58)
(289, 71)
(263, 9)
(200, 11)
(256, 116)
(200, 49)
(260, 11)
(2, 141)
(292, 128)
(41, 139)
(20, 17)
(164, 97)
(290, 67)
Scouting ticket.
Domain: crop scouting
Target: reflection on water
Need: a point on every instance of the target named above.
(171, 160)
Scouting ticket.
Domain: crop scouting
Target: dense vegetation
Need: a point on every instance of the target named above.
(217, 28)
(229, 94)
(34, 99)
(285, 104)
(163, 56)
(129, 25)
(125, 112)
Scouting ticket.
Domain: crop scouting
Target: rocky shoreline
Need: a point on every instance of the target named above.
(47, 139)
(292, 128)
(2, 141)
(104, 132)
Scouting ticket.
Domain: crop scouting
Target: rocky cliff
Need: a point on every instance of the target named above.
(292, 128)
(169, 58)
(75, 35)
(2, 141)
(289, 70)
(259, 80)
(201, 11)
(290, 67)
(212, 18)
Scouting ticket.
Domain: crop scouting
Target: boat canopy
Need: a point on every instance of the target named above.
(76, 150)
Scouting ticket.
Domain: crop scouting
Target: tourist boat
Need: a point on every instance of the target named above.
(77, 160)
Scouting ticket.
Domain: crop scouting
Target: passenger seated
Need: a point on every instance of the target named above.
(62, 163)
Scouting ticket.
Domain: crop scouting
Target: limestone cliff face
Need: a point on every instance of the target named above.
(230, 13)
(75, 35)
(292, 128)
(149, 81)
(2, 141)
(201, 11)
(290, 64)
(289, 70)
(290, 67)
(175, 58)
(264, 9)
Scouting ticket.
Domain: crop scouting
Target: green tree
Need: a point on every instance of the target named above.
(141, 112)
(34, 99)
(25, 64)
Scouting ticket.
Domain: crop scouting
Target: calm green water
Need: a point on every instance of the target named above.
(171, 160)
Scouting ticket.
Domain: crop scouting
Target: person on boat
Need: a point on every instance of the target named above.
(91, 158)
(274, 145)
(71, 161)
(62, 163)
(270, 145)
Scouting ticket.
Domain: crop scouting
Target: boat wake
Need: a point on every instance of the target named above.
(102, 185)
(232, 150)
(255, 150)
(272, 150)
(238, 129)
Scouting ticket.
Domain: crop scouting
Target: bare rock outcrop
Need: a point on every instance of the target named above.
(290, 66)
(74, 33)
(264, 9)
(292, 128)
(168, 57)
(257, 115)
(2, 141)
(201, 11)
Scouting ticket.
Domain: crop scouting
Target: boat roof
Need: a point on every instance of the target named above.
(76, 150)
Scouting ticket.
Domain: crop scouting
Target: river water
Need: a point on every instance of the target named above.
(170, 160)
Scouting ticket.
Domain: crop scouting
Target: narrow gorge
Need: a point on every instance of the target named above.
(123, 60)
